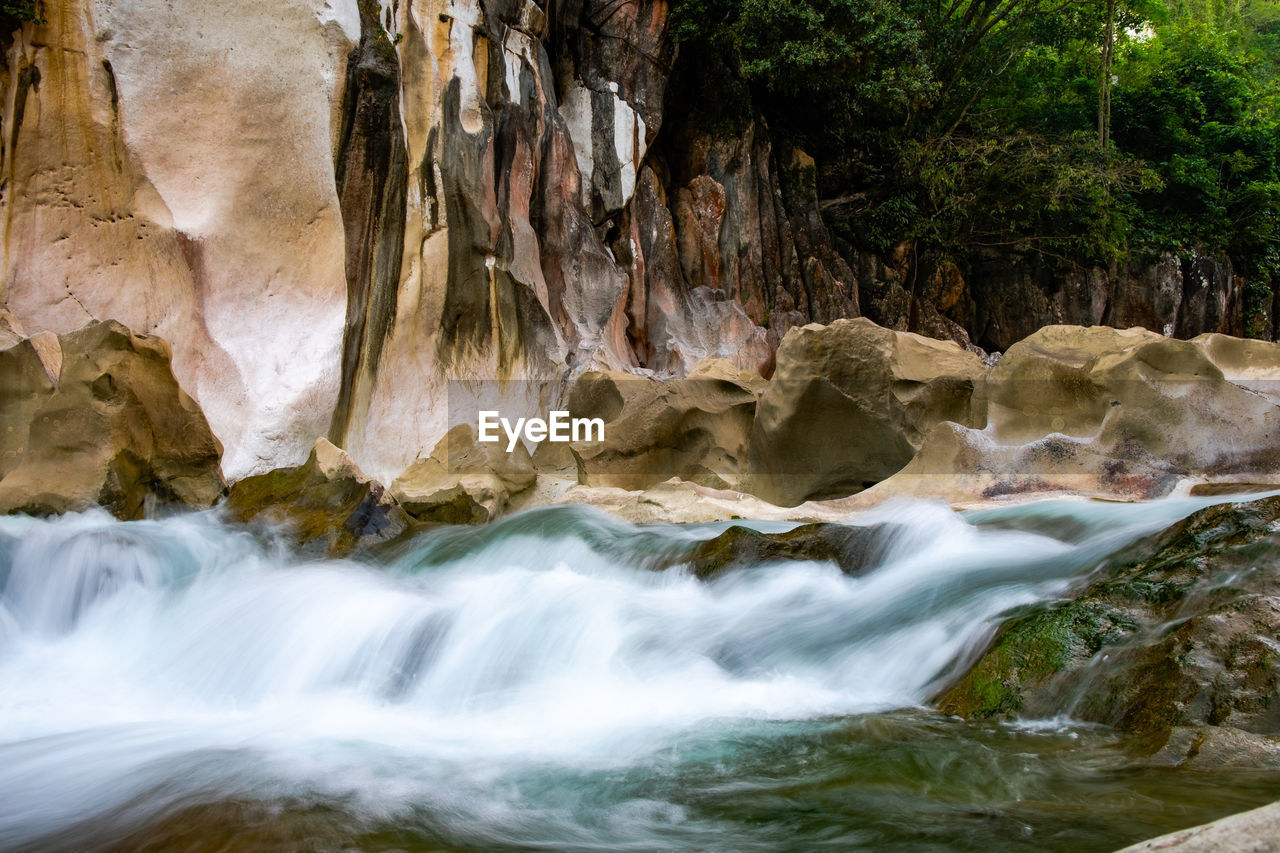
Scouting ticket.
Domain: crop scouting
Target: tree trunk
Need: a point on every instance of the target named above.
(1104, 83)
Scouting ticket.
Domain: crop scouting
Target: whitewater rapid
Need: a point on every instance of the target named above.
(151, 665)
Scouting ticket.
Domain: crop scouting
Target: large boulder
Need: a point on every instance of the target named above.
(327, 505)
(1113, 413)
(695, 428)
(96, 417)
(464, 481)
(848, 406)
(1178, 636)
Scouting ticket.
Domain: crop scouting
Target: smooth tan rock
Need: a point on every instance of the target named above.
(10, 330)
(327, 504)
(1256, 831)
(679, 502)
(463, 481)
(1111, 413)
(96, 417)
(848, 406)
(172, 168)
(696, 428)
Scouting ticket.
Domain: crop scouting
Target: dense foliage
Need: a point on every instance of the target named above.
(17, 11)
(971, 124)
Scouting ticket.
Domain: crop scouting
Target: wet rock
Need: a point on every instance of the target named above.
(96, 417)
(853, 549)
(694, 428)
(1213, 747)
(464, 481)
(849, 405)
(1253, 831)
(1183, 632)
(327, 505)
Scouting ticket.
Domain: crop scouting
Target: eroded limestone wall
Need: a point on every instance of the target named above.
(332, 208)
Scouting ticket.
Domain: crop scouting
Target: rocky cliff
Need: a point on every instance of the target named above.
(332, 208)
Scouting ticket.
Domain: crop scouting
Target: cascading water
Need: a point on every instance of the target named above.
(530, 684)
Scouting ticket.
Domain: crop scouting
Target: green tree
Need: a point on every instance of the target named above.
(18, 11)
(1086, 129)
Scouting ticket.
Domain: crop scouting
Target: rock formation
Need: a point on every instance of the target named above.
(695, 428)
(96, 418)
(853, 548)
(1157, 646)
(463, 481)
(170, 166)
(327, 505)
(854, 415)
(849, 405)
(1109, 413)
(331, 208)
(1253, 831)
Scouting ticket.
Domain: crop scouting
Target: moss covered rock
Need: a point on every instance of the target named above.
(1183, 632)
(327, 504)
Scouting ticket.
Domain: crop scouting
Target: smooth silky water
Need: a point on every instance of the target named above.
(535, 684)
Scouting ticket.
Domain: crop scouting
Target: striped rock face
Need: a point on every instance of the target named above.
(331, 207)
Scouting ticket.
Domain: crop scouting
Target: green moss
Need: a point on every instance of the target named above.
(1157, 677)
(1029, 652)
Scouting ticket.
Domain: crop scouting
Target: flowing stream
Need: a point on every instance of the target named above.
(535, 684)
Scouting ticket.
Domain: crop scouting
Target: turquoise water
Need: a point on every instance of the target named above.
(537, 684)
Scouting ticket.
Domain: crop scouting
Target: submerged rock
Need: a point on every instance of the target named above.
(464, 481)
(327, 504)
(849, 405)
(96, 417)
(853, 549)
(1185, 632)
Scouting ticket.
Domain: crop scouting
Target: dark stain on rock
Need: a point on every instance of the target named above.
(372, 176)
(28, 79)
